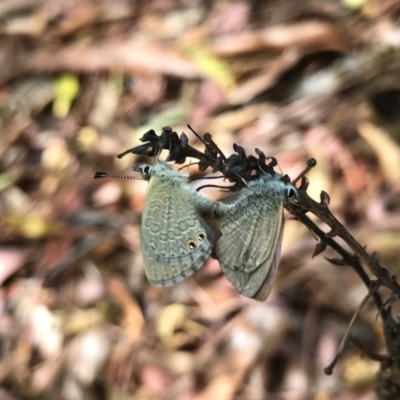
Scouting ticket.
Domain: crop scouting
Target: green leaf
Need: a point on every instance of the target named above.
(6, 180)
(212, 67)
(354, 4)
(66, 88)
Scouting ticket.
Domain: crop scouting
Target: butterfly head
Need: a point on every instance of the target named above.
(275, 183)
(160, 169)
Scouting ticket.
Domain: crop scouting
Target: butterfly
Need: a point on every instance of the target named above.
(251, 225)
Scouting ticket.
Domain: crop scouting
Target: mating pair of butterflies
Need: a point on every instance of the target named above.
(176, 241)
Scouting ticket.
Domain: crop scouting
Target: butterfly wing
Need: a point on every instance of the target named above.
(249, 248)
(175, 240)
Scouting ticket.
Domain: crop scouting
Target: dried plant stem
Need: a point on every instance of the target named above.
(328, 370)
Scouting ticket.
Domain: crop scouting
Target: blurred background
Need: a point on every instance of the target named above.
(80, 82)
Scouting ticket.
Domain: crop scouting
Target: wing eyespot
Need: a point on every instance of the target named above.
(200, 236)
(192, 245)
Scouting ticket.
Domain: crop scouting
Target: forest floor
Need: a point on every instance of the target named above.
(81, 82)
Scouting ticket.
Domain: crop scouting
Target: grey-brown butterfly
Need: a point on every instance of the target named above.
(175, 239)
(251, 226)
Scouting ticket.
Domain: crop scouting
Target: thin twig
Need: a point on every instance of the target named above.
(328, 370)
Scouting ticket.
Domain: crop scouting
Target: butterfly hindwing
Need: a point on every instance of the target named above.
(175, 240)
(251, 228)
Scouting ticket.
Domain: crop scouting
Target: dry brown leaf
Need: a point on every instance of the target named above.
(263, 80)
(106, 102)
(33, 25)
(133, 321)
(233, 120)
(175, 328)
(129, 56)
(18, 6)
(359, 372)
(11, 260)
(155, 379)
(229, 17)
(386, 149)
(308, 36)
(222, 387)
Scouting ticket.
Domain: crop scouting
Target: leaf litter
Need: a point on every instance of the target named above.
(81, 83)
